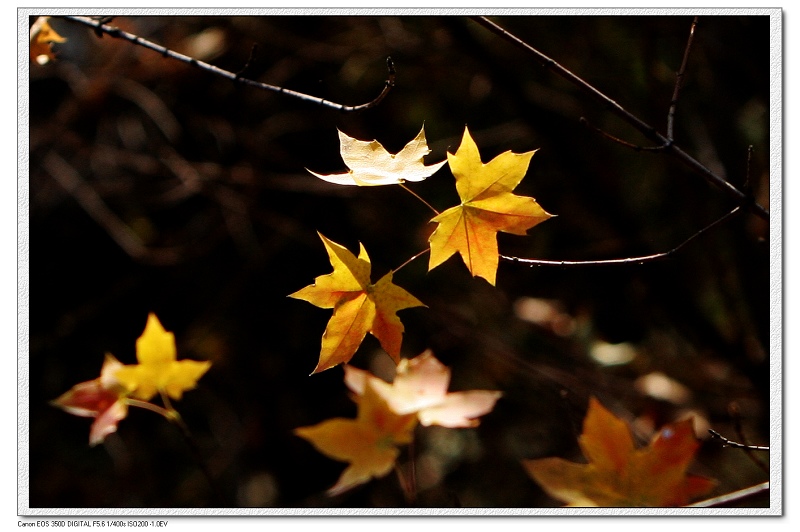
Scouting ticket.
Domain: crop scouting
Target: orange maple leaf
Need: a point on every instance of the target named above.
(420, 387)
(368, 443)
(358, 306)
(620, 475)
(487, 206)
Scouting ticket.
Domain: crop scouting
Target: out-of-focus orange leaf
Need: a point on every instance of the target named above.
(487, 206)
(358, 306)
(369, 443)
(420, 387)
(158, 369)
(102, 398)
(620, 475)
(42, 37)
(369, 163)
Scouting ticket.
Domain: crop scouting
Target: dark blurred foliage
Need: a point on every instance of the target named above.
(155, 186)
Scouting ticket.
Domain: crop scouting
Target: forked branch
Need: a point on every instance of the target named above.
(101, 28)
(647, 130)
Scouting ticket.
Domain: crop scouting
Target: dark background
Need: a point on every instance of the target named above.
(204, 182)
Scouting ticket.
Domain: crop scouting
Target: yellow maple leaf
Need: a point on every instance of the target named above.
(158, 369)
(368, 443)
(358, 306)
(620, 475)
(42, 36)
(370, 164)
(420, 387)
(487, 206)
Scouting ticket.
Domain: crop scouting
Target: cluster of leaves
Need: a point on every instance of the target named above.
(617, 473)
(388, 413)
(119, 386)
(470, 229)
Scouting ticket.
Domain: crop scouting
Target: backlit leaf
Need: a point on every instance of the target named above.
(420, 386)
(369, 444)
(158, 369)
(487, 206)
(102, 398)
(359, 307)
(42, 37)
(370, 164)
(617, 473)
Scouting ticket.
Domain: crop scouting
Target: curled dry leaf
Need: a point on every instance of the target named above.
(370, 164)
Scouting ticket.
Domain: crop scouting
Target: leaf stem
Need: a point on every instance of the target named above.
(419, 198)
(149, 406)
(421, 253)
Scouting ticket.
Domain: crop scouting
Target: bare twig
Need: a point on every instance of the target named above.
(647, 130)
(737, 497)
(679, 83)
(747, 188)
(737, 445)
(619, 140)
(629, 260)
(115, 32)
(736, 416)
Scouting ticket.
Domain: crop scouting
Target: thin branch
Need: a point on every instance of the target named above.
(117, 33)
(618, 140)
(249, 63)
(736, 416)
(647, 130)
(630, 260)
(174, 417)
(729, 499)
(679, 83)
(747, 188)
(730, 443)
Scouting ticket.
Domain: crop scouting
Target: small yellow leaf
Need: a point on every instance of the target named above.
(359, 307)
(370, 164)
(158, 369)
(487, 206)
